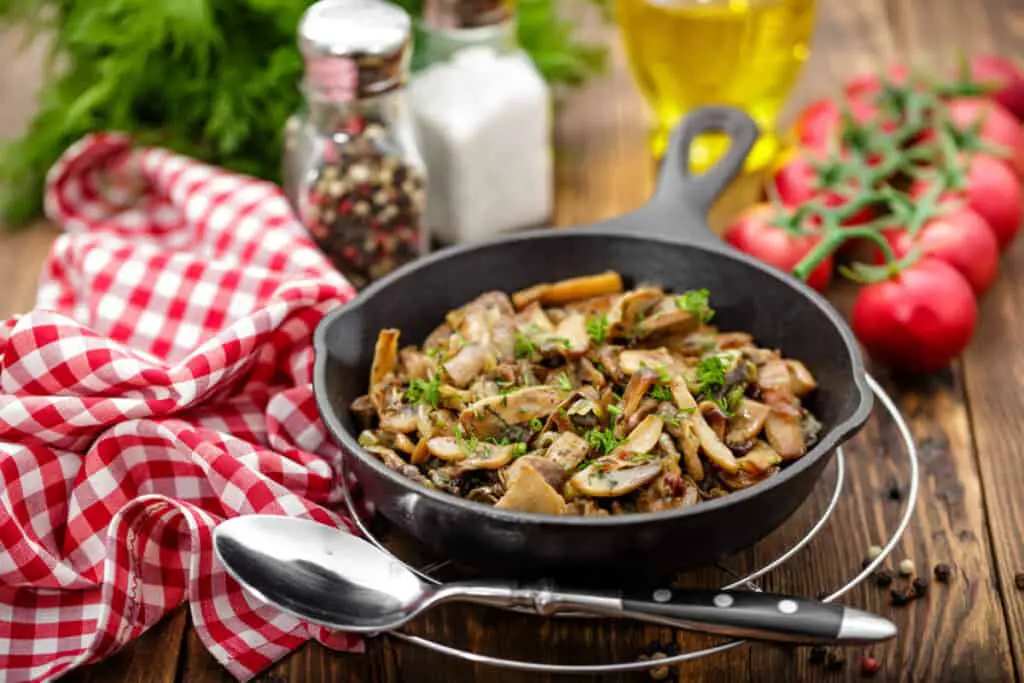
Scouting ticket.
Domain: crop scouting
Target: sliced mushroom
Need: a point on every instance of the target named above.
(362, 407)
(487, 456)
(776, 387)
(801, 380)
(785, 435)
(528, 491)
(490, 416)
(416, 364)
(568, 451)
(396, 441)
(603, 479)
(421, 453)
(554, 474)
(681, 395)
(534, 321)
(647, 406)
(681, 428)
(573, 289)
(439, 338)
(399, 419)
(571, 334)
(760, 458)
(446, 448)
(717, 452)
(745, 478)
(634, 360)
(639, 384)
(454, 399)
(594, 306)
(627, 311)
(465, 365)
(734, 340)
(643, 438)
(669, 321)
(747, 422)
(394, 462)
(590, 375)
(385, 356)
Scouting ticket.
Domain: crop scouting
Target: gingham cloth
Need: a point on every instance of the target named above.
(161, 384)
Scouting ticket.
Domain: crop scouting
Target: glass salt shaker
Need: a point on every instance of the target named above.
(352, 167)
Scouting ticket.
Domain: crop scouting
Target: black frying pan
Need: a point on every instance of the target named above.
(668, 242)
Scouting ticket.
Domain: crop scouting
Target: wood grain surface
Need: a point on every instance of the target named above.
(966, 420)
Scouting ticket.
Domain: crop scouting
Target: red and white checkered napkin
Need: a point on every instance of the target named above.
(161, 385)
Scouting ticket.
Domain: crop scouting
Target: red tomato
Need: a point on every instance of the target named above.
(919, 320)
(753, 233)
(993, 192)
(866, 86)
(1007, 77)
(797, 182)
(958, 236)
(998, 127)
(819, 125)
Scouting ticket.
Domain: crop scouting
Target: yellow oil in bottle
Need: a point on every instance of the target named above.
(688, 53)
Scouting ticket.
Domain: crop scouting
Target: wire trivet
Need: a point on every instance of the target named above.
(745, 581)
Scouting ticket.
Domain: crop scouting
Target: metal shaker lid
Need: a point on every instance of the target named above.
(466, 14)
(355, 48)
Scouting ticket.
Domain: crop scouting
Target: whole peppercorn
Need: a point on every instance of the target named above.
(943, 573)
(883, 578)
(920, 585)
(817, 655)
(834, 661)
(901, 596)
(894, 492)
(1018, 581)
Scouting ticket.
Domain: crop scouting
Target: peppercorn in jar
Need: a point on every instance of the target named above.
(352, 168)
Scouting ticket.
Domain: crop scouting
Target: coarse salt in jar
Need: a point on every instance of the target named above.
(352, 167)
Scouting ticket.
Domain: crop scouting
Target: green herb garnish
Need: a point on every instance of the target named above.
(696, 302)
(731, 401)
(467, 442)
(603, 440)
(660, 392)
(614, 411)
(564, 383)
(518, 450)
(524, 346)
(710, 375)
(597, 328)
(425, 391)
(536, 424)
(564, 342)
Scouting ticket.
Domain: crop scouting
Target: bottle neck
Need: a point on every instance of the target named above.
(440, 45)
(338, 116)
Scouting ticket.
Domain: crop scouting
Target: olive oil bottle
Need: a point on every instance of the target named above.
(688, 53)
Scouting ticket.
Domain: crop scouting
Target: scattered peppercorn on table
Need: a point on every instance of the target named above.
(955, 585)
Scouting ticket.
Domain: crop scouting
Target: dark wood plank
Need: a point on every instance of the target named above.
(151, 658)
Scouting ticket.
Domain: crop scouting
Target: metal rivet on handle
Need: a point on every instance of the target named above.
(723, 600)
(662, 595)
(788, 607)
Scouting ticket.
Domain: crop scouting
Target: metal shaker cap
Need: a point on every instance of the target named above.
(466, 14)
(355, 48)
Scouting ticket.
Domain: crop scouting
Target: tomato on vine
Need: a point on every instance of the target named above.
(759, 231)
(917, 320)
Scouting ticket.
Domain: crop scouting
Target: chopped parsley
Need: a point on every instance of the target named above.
(425, 391)
(536, 424)
(524, 346)
(710, 375)
(731, 401)
(603, 440)
(518, 450)
(565, 343)
(660, 392)
(564, 383)
(696, 302)
(597, 328)
(614, 411)
(467, 443)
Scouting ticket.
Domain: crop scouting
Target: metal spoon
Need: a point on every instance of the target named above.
(329, 577)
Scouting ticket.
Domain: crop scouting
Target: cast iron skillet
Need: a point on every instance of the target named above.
(666, 241)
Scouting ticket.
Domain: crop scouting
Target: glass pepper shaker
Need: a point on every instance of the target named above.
(352, 167)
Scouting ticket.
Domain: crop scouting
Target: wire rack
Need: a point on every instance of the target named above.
(749, 581)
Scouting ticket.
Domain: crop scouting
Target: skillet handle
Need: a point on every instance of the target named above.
(682, 199)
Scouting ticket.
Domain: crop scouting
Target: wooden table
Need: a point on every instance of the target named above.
(967, 421)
